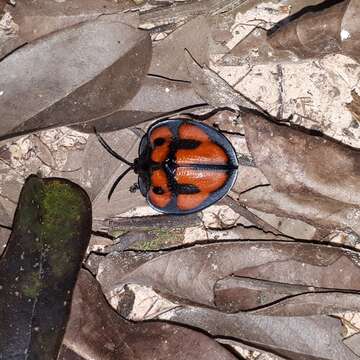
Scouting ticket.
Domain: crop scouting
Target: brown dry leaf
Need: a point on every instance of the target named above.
(353, 342)
(175, 11)
(295, 338)
(321, 212)
(354, 108)
(235, 293)
(330, 27)
(296, 162)
(35, 19)
(203, 265)
(323, 303)
(214, 89)
(96, 331)
(94, 74)
(5, 224)
(168, 55)
(312, 178)
(68, 354)
(156, 97)
(98, 171)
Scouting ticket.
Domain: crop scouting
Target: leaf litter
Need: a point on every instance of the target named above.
(321, 94)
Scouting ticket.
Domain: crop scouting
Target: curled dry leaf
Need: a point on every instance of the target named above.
(296, 338)
(39, 267)
(95, 331)
(203, 265)
(94, 74)
(330, 27)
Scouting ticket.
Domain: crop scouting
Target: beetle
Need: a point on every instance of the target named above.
(183, 166)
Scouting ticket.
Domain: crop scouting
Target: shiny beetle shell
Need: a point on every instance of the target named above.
(184, 166)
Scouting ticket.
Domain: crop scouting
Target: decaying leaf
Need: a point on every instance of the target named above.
(353, 342)
(327, 303)
(5, 231)
(96, 331)
(98, 170)
(316, 210)
(179, 11)
(168, 55)
(354, 107)
(203, 265)
(39, 267)
(2, 5)
(215, 90)
(296, 338)
(156, 97)
(235, 293)
(296, 162)
(312, 178)
(35, 19)
(330, 27)
(100, 66)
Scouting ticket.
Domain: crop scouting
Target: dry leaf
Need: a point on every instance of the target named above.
(39, 267)
(321, 212)
(353, 342)
(296, 162)
(295, 338)
(214, 89)
(203, 265)
(156, 97)
(36, 19)
(322, 303)
(330, 27)
(99, 67)
(96, 331)
(168, 55)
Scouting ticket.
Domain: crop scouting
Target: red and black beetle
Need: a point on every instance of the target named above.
(183, 166)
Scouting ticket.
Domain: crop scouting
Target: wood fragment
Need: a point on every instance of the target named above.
(247, 214)
(145, 222)
(184, 11)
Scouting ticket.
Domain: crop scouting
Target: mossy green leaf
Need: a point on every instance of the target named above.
(39, 267)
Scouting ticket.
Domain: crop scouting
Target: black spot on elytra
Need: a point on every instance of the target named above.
(187, 189)
(187, 144)
(158, 190)
(159, 141)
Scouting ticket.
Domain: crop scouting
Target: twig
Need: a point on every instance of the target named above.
(145, 222)
(247, 214)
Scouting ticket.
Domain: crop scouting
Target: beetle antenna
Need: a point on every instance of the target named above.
(111, 151)
(115, 184)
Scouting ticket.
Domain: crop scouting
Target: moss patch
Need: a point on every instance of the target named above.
(162, 239)
(31, 286)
